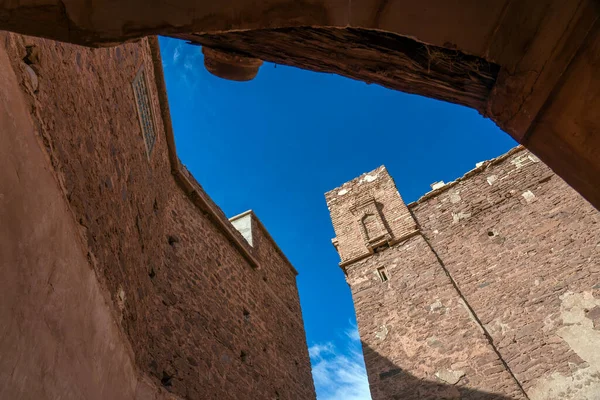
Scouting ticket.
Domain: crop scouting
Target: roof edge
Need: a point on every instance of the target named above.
(190, 187)
(477, 170)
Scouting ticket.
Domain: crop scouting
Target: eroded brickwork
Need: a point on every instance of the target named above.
(368, 212)
(418, 337)
(275, 267)
(497, 296)
(201, 320)
(524, 248)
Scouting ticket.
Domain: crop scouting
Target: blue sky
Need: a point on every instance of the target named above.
(278, 143)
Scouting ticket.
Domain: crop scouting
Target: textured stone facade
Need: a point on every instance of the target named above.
(204, 314)
(496, 295)
(368, 212)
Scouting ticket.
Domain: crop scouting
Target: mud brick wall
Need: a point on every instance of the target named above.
(59, 339)
(275, 267)
(247, 331)
(524, 249)
(497, 295)
(200, 319)
(418, 337)
(347, 206)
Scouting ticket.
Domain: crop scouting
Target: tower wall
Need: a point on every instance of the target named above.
(524, 249)
(496, 295)
(367, 213)
(419, 338)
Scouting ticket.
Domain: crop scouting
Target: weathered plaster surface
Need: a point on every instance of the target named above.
(59, 336)
(577, 330)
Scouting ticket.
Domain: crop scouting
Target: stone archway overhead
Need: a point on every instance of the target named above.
(383, 58)
(529, 65)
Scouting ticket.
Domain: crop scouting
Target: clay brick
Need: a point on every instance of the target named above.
(179, 285)
(519, 263)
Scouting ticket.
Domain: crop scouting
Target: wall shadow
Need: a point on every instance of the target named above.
(388, 381)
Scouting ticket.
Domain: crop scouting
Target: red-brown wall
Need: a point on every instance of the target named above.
(199, 318)
(496, 293)
(524, 249)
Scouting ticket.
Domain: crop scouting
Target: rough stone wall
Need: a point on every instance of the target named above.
(247, 333)
(371, 195)
(200, 319)
(524, 249)
(516, 246)
(419, 339)
(275, 267)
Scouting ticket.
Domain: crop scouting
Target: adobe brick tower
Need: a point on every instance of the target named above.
(485, 288)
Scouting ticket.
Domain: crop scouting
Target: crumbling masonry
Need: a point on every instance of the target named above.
(487, 287)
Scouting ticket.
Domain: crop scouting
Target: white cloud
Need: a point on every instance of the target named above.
(317, 350)
(340, 375)
(352, 333)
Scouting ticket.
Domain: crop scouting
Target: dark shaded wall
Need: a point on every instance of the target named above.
(200, 319)
(405, 385)
(59, 336)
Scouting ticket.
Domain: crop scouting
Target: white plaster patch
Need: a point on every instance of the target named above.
(382, 333)
(368, 178)
(521, 161)
(491, 179)
(437, 305)
(449, 376)
(557, 386)
(578, 332)
(342, 192)
(528, 196)
(458, 216)
(454, 198)
(573, 308)
(437, 185)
